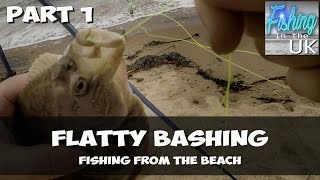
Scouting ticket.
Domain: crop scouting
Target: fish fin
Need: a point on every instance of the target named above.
(42, 63)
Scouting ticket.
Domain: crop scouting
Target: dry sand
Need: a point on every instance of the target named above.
(180, 91)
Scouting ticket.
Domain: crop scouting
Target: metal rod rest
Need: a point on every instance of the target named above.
(6, 64)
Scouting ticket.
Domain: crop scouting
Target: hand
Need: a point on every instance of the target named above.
(15, 158)
(227, 20)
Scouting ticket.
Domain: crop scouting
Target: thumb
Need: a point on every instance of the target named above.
(9, 91)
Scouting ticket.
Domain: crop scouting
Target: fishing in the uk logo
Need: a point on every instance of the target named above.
(292, 28)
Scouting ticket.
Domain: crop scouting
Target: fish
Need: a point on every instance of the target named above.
(88, 80)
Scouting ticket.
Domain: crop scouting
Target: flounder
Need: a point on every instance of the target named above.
(89, 79)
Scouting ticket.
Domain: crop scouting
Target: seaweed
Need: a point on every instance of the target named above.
(274, 100)
(156, 43)
(153, 61)
(236, 86)
(134, 55)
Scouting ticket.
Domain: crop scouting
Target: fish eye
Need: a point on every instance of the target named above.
(70, 65)
(80, 87)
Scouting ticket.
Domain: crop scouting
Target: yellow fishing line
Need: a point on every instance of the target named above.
(210, 51)
(229, 84)
(138, 25)
(148, 18)
(247, 52)
(206, 48)
(202, 46)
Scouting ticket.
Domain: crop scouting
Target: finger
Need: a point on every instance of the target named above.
(296, 61)
(9, 91)
(11, 87)
(299, 62)
(39, 160)
(305, 82)
(254, 24)
(225, 27)
(243, 5)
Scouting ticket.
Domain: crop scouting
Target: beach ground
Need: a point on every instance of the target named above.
(191, 81)
(197, 91)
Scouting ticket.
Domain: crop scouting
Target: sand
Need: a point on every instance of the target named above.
(181, 91)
